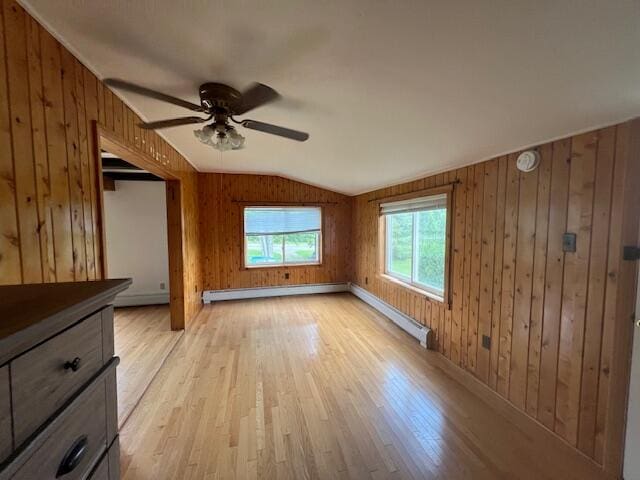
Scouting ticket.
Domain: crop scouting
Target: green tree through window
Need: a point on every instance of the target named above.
(416, 247)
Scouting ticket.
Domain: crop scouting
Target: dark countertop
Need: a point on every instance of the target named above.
(24, 307)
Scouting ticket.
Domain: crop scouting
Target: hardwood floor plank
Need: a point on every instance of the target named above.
(320, 386)
(143, 339)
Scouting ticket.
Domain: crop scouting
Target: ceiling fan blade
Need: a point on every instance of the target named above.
(172, 122)
(255, 96)
(276, 130)
(147, 92)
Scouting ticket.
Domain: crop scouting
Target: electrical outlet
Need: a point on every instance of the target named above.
(286, 276)
(162, 286)
(486, 342)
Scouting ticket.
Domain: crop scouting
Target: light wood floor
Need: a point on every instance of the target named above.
(318, 387)
(143, 340)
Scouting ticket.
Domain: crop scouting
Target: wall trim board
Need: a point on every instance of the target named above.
(420, 332)
(545, 444)
(209, 296)
(137, 300)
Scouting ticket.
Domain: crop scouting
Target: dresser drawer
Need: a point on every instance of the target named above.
(81, 436)
(101, 472)
(48, 375)
(109, 466)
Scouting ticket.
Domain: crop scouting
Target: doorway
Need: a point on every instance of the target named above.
(135, 225)
(140, 208)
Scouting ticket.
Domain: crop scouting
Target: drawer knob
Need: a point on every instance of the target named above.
(73, 365)
(73, 457)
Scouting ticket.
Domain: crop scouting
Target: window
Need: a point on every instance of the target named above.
(416, 242)
(282, 236)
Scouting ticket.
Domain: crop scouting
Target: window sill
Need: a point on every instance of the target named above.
(413, 288)
(282, 265)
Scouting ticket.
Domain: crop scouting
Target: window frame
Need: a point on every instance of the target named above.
(405, 282)
(284, 265)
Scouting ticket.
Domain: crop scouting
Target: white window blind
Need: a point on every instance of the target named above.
(281, 220)
(432, 202)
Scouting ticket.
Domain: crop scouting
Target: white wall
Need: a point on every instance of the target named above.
(136, 240)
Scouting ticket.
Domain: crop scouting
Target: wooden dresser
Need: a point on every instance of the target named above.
(58, 406)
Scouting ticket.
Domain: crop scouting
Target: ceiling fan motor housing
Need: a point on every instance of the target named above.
(219, 98)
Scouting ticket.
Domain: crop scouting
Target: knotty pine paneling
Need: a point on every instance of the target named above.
(221, 199)
(554, 318)
(49, 199)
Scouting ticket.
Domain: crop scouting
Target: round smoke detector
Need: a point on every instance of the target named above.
(528, 161)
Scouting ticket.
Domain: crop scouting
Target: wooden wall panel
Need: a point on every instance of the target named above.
(574, 292)
(485, 294)
(10, 268)
(38, 128)
(25, 186)
(526, 232)
(538, 281)
(50, 225)
(221, 199)
(558, 320)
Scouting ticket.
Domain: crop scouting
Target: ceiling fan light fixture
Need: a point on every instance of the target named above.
(204, 134)
(236, 140)
(223, 143)
(226, 138)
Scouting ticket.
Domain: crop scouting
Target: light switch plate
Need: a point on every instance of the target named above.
(569, 242)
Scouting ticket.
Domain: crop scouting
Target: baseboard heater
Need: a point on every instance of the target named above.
(404, 321)
(141, 299)
(408, 324)
(209, 296)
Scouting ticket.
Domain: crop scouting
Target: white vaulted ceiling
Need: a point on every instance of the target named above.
(389, 90)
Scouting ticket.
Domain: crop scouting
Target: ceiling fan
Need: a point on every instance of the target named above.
(219, 103)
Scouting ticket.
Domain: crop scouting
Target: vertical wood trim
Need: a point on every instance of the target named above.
(574, 298)
(476, 250)
(596, 291)
(21, 137)
(39, 138)
(457, 292)
(10, 268)
(558, 201)
(74, 165)
(468, 242)
(174, 232)
(508, 276)
(85, 171)
(91, 117)
(497, 271)
(487, 265)
(526, 231)
(57, 153)
(539, 276)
